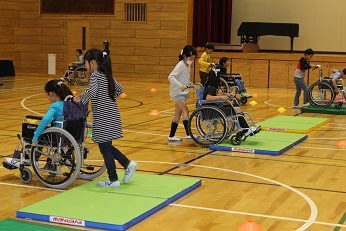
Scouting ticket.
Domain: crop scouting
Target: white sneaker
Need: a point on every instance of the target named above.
(253, 131)
(114, 184)
(129, 171)
(16, 163)
(296, 107)
(174, 139)
(306, 104)
(247, 95)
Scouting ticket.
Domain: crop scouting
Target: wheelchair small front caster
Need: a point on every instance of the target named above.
(26, 175)
(338, 105)
(70, 81)
(236, 139)
(243, 100)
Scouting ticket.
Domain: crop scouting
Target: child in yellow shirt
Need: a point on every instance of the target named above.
(205, 63)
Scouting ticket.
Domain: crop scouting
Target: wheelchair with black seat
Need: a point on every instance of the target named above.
(322, 92)
(76, 74)
(212, 122)
(60, 155)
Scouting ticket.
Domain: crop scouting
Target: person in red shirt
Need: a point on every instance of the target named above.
(299, 74)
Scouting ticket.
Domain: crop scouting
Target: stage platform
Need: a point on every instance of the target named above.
(265, 142)
(92, 206)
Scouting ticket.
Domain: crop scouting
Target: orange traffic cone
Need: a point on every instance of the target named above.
(250, 226)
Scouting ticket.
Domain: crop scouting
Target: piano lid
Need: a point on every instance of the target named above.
(268, 28)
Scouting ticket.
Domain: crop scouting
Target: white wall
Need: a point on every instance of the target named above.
(322, 23)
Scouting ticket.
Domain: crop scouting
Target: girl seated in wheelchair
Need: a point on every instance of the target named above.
(56, 92)
(210, 94)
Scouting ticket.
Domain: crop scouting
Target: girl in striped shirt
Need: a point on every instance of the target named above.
(103, 91)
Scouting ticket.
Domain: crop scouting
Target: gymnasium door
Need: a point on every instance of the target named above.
(78, 38)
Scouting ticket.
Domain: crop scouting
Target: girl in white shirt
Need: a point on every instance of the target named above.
(180, 79)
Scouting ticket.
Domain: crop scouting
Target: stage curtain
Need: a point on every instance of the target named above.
(211, 22)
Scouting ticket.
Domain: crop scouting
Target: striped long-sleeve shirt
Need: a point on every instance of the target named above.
(107, 124)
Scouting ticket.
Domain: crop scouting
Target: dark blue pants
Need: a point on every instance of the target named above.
(110, 153)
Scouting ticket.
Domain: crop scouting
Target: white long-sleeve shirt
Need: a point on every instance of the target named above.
(180, 76)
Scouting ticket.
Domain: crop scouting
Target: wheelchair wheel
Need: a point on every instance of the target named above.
(26, 175)
(56, 159)
(223, 86)
(321, 94)
(81, 76)
(92, 164)
(208, 125)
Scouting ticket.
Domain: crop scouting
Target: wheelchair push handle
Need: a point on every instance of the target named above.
(194, 85)
(69, 98)
(317, 66)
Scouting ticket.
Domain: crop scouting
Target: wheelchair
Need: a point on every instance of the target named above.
(227, 85)
(209, 124)
(322, 93)
(76, 74)
(60, 155)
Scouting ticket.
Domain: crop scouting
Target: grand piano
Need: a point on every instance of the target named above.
(251, 31)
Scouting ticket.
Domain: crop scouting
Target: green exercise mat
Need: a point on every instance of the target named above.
(265, 142)
(93, 206)
(293, 124)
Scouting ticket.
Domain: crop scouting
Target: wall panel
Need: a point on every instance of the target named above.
(134, 46)
(321, 22)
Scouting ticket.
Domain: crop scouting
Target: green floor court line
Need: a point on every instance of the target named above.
(329, 110)
(121, 207)
(21, 225)
(295, 124)
(265, 142)
(342, 221)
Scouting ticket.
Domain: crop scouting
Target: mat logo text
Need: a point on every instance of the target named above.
(248, 150)
(277, 129)
(68, 221)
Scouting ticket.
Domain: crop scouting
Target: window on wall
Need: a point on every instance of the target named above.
(135, 12)
(77, 7)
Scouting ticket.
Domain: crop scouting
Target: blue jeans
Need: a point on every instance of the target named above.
(239, 83)
(110, 153)
(300, 84)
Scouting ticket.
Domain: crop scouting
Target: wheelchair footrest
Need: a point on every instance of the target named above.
(8, 165)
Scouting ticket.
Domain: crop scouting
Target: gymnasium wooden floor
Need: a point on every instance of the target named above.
(303, 187)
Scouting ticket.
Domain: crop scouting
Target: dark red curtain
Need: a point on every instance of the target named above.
(211, 22)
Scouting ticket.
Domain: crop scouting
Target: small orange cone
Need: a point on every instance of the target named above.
(154, 112)
(250, 226)
(341, 143)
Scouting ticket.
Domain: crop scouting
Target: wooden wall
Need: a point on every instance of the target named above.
(269, 70)
(147, 50)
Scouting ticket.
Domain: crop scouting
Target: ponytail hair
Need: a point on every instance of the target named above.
(104, 65)
(188, 51)
(58, 88)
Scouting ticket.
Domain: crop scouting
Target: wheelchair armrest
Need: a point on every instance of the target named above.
(213, 102)
(34, 117)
